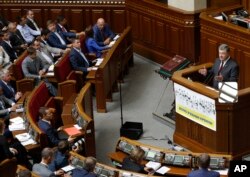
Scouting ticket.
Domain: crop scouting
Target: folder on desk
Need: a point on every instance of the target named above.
(72, 131)
(176, 63)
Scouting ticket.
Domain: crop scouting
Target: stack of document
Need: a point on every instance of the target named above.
(116, 37)
(98, 61)
(16, 124)
(25, 139)
(156, 167)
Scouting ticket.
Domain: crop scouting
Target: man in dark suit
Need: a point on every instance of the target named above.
(42, 169)
(225, 69)
(78, 60)
(5, 43)
(87, 170)
(102, 33)
(204, 161)
(8, 91)
(30, 20)
(45, 124)
(59, 40)
(16, 39)
(6, 105)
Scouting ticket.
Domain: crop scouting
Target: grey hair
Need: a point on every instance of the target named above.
(3, 72)
(224, 47)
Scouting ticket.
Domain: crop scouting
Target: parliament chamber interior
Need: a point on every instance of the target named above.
(61, 62)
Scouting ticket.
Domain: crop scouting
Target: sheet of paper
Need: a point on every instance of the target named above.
(111, 43)
(77, 126)
(153, 165)
(50, 74)
(98, 61)
(30, 141)
(163, 170)
(222, 172)
(51, 68)
(17, 120)
(14, 127)
(68, 168)
(94, 68)
(23, 137)
(116, 37)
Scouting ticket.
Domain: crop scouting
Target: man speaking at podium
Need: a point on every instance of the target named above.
(225, 69)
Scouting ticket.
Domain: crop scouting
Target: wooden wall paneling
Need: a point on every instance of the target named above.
(167, 38)
(211, 50)
(45, 16)
(76, 17)
(118, 20)
(107, 17)
(86, 16)
(244, 66)
(134, 22)
(97, 13)
(147, 30)
(13, 14)
(53, 13)
(174, 39)
(160, 35)
(38, 15)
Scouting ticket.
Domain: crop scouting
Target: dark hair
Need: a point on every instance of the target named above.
(42, 111)
(89, 32)
(137, 154)
(63, 146)
(204, 160)
(31, 50)
(45, 32)
(19, 18)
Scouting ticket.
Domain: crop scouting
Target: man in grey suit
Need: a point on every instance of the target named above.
(225, 69)
(46, 53)
(42, 168)
(33, 67)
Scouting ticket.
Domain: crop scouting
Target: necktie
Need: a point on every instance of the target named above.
(221, 66)
(86, 60)
(60, 38)
(63, 29)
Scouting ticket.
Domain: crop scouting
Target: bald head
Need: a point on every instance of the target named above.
(12, 27)
(100, 23)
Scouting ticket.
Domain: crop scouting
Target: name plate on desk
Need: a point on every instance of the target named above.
(195, 106)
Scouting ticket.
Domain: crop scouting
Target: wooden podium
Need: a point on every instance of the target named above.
(232, 135)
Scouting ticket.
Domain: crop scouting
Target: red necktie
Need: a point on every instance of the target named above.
(221, 66)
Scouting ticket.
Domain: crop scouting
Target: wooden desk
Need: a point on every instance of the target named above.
(119, 155)
(112, 67)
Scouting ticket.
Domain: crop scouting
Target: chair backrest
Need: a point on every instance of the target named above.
(63, 68)
(38, 98)
(8, 167)
(17, 66)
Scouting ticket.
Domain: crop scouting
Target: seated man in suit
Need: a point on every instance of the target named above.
(204, 161)
(61, 25)
(78, 60)
(91, 43)
(102, 33)
(42, 169)
(59, 39)
(16, 39)
(8, 90)
(46, 116)
(33, 67)
(5, 43)
(225, 69)
(4, 59)
(31, 22)
(46, 53)
(6, 105)
(87, 170)
(28, 34)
